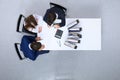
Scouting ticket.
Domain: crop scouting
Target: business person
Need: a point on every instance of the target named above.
(31, 23)
(31, 48)
(55, 16)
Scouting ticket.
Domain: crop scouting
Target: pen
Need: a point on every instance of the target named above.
(59, 43)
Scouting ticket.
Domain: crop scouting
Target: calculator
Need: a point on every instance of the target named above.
(58, 33)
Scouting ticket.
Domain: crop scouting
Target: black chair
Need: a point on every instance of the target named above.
(53, 4)
(19, 53)
(20, 25)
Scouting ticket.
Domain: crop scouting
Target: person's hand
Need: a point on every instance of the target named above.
(40, 29)
(38, 39)
(43, 46)
(36, 19)
(56, 26)
(48, 26)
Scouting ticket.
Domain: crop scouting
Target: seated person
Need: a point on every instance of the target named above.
(31, 48)
(55, 16)
(31, 23)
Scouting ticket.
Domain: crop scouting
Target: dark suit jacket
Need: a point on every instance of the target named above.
(28, 53)
(60, 12)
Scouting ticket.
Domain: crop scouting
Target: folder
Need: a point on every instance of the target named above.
(75, 34)
(73, 24)
(70, 44)
(73, 40)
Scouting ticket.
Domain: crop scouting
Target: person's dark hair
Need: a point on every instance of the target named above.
(36, 45)
(50, 18)
(30, 22)
(28, 26)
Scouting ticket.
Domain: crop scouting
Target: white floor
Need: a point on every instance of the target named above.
(61, 65)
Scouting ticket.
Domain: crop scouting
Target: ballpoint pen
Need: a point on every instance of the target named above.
(59, 43)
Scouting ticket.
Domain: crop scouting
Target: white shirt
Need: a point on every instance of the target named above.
(39, 22)
(29, 46)
(57, 21)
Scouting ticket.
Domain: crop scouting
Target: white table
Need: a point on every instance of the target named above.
(91, 35)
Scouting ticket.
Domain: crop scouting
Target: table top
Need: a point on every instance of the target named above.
(91, 35)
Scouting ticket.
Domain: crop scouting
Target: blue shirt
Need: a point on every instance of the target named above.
(28, 53)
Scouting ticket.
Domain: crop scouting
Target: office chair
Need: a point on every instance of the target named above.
(19, 53)
(20, 26)
(53, 4)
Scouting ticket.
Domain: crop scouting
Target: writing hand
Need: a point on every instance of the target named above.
(56, 26)
(43, 46)
(38, 39)
(48, 26)
(40, 29)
